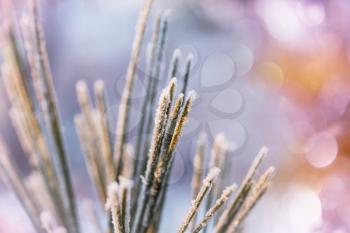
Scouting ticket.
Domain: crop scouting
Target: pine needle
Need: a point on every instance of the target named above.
(189, 62)
(257, 192)
(124, 106)
(213, 210)
(150, 61)
(207, 184)
(198, 168)
(242, 194)
(47, 96)
(174, 65)
(113, 204)
(153, 155)
(103, 131)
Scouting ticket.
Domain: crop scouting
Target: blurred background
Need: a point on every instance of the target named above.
(267, 72)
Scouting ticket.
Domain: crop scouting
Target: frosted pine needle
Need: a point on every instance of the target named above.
(158, 133)
(150, 61)
(160, 173)
(129, 162)
(198, 169)
(113, 204)
(153, 155)
(189, 62)
(242, 194)
(124, 107)
(174, 65)
(118, 203)
(213, 210)
(207, 184)
(49, 108)
(155, 75)
(218, 159)
(256, 163)
(257, 192)
(125, 195)
(91, 153)
(103, 130)
(183, 118)
(25, 122)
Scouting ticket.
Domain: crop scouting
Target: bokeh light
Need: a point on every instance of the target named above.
(321, 149)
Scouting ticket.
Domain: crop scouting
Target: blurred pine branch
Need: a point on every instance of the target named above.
(131, 185)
